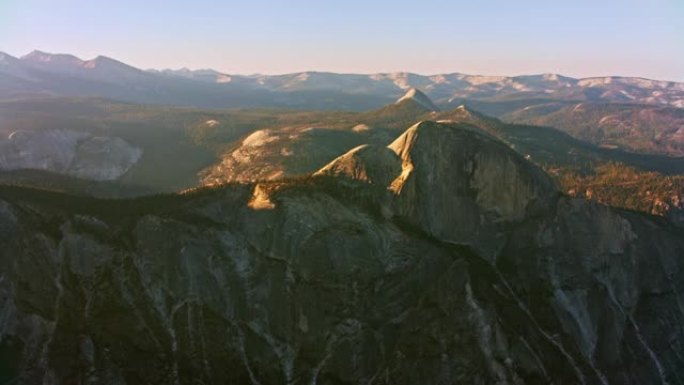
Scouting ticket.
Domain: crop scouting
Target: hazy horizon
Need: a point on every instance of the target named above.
(578, 39)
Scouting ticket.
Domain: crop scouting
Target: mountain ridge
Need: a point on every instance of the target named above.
(36, 54)
(330, 90)
(313, 280)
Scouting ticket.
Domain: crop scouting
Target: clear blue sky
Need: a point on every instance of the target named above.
(573, 37)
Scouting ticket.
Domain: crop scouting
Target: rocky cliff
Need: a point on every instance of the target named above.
(68, 152)
(452, 181)
(443, 258)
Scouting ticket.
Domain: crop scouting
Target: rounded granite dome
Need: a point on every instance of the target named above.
(451, 180)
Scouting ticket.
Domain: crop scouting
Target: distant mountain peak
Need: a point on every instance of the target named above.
(7, 58)
(465, 114)
(419, 97)
(43, 57)
(36, 55)
(468, 112)
(101, 58)
(10, 65)
(104, 62)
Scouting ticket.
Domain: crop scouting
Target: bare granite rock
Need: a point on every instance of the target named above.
(68, 152)
(326, 281)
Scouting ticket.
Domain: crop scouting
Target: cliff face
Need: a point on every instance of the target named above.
(451, 181)
(68, 152)
(364, 273)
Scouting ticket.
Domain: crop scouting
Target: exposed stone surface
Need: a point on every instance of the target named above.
(451, 181)
(420, 98)
(329, 283)
(369, 163)
(68, 152)
(276, 154)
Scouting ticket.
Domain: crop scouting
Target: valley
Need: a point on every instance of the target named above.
(197, 227)
(247, 145)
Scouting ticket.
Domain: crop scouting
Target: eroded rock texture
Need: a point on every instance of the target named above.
(68, 152)
(442, 259)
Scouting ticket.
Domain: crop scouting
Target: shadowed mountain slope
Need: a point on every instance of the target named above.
(443, 258)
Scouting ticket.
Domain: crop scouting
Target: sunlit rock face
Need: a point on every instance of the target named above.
(451, 181)
(461, 186)
(68, 152)
(351, 276)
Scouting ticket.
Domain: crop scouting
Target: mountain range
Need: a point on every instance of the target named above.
(195, 227)
(40, 73)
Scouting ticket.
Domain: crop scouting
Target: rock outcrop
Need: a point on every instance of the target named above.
(417, 96)
(373, 164)
(451, 181)
(360, 274)
(277, 154)
(68, 152)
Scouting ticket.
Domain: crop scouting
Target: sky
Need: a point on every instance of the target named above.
(580, 38)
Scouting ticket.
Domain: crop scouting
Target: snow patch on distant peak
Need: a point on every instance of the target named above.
(419, 97)
(223, 78)
(90, 64)
(595, 82)
(440, 79)
(304, 76)
(401, 80)
(520, 87)
(627, 95)
(477, 80)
